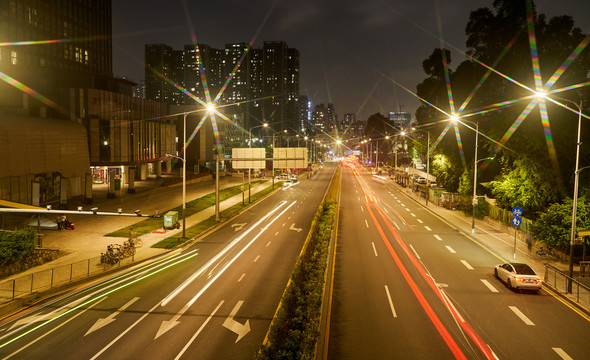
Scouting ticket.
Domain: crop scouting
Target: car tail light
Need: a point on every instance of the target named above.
(518, 279)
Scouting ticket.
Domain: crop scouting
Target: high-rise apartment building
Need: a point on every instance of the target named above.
(264, 88)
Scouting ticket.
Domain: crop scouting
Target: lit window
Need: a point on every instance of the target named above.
(13, 58)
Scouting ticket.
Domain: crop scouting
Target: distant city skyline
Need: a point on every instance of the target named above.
(350, 51)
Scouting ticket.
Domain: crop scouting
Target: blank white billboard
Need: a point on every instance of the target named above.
(250, 156)
(292, 158)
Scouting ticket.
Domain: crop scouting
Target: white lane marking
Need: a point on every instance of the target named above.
(366, 223)
(359, 199)
(399, 201)
(562, 354)
(403, 205)
(241, 277)
(521, 315)
(258, 257)
(276, 233)
(55, 328)
(427, 228)
(390, 302)
(415, 252)
(407, 209)
(438, 237)
(466, 264)
(452, 251)
(284, 224)
(198, 331)
(268, 244)
(420, 221)
(489, 286)
(396, 225)
(374, 249)
(414, 215)
(362, 209)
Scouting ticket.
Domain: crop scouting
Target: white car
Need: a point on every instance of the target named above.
(518, 276)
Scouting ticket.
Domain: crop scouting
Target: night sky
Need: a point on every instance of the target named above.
(349, 49)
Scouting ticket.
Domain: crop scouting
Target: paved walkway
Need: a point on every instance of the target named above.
(88, 240)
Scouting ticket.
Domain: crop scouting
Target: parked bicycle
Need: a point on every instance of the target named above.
(137, 242)
(545, 251)
(109, 257)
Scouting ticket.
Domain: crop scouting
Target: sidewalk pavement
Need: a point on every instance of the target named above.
(88, 240)
(492, 236)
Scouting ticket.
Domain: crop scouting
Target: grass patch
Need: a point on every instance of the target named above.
(196, 230)
(150, 224)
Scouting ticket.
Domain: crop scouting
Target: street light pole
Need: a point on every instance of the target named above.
(184, 177)
(575, 200)
(576, 182)
(427, 163)
(474, 200)
(249, 169)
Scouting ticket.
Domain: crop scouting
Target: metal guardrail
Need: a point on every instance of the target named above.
(558, 281)
(50, 278)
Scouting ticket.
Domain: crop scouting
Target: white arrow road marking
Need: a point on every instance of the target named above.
(562, 354)
(35, 318)
(169, 324)
(294, 228)
(238, 227)
(232, 325)
(521, 315)
(198, 331)
(390, 302)
(82, 311)
(109, 319)
(221, 254)
(489, 286)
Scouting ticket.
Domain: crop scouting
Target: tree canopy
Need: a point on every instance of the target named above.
(537, 154)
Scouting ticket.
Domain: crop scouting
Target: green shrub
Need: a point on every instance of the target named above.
(14, 245)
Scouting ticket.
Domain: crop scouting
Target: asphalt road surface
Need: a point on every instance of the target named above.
(408, 285)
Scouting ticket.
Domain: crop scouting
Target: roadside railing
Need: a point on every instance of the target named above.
(50, 278)
(558, 281)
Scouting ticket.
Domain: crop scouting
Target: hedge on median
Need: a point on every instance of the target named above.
(295, 329)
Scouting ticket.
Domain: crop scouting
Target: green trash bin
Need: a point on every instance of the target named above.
(171, 220)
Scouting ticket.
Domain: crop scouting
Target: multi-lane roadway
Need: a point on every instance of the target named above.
(408, 285)
(213, 300)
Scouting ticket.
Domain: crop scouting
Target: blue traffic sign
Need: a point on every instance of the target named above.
(516, 221)
(517, 211)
